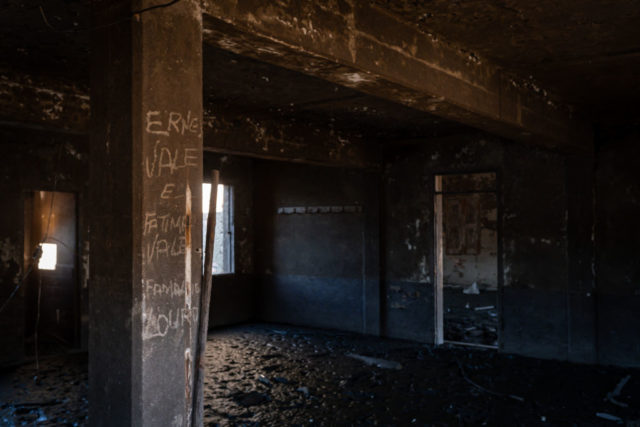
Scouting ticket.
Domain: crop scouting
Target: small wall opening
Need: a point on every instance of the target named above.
(52, 316)
(223, 248)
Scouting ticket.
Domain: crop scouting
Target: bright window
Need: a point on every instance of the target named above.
(49, 257)
(223, 259)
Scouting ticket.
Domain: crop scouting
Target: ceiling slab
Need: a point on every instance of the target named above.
(365, 48)
(586, 51)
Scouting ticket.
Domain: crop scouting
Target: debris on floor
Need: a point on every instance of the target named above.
(609, 417)
(612, 396)
(471, 289)
(307, 374)
(373, 361)
(57, 397)
(469, 317)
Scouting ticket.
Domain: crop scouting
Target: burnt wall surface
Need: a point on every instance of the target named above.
(32, 160)
(618, 250)
(317, 246)
(536, 295)
(470, 252)
(233, 295)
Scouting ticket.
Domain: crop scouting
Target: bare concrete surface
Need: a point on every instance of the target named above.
(267, 374)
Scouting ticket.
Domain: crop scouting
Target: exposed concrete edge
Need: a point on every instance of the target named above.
(280, 140)
(50, 106)
(32, 103)
(401, 64)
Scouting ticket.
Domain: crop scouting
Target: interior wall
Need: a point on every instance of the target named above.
(618, 249)
(233, 295)
(471, 240)
(320, 268)
(534, 298)
(316, 246)
(33, 160)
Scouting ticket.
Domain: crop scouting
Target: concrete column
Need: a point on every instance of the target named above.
(146, 174)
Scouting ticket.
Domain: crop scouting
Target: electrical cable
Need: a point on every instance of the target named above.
(109, 24)
(35, 257)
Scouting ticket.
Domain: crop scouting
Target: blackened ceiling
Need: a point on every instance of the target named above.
(588, 52)
(238, 85)
(46, 38)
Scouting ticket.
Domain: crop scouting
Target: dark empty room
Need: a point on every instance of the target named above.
(335, 212)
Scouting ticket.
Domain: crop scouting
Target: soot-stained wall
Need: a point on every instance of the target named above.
(535, 293)
(32, 160)
(471, 239)
(233, 295)
(618, 250)
(317, 246)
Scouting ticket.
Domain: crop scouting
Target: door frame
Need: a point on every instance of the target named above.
(438, 257)
(27, 203)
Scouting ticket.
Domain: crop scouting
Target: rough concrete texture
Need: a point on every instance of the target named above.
(146, 172)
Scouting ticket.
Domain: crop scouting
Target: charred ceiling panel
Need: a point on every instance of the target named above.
(587, 51)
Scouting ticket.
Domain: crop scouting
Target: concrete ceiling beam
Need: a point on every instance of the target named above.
(365, 48)
(30, 102)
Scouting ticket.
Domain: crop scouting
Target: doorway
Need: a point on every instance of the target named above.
(52, 294)
(467, 259)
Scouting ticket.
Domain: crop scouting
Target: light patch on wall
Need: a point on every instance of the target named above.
(206, 197)
(49, 257)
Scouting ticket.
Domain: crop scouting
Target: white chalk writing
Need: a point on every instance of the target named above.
(158, 322)
(165, 223)
(172, 288)
(165, 159)
(163, 248)
(158, 123)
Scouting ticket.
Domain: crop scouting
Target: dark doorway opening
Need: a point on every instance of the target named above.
(467, 259)
(52, 296)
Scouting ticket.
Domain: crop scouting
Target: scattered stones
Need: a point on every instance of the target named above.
(264, 380)
(248, 384)
(251, 398)
(373, 361)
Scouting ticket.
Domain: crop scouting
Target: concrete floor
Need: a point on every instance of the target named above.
(262, 374)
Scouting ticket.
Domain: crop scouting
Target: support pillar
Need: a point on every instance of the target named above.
(146, 175)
